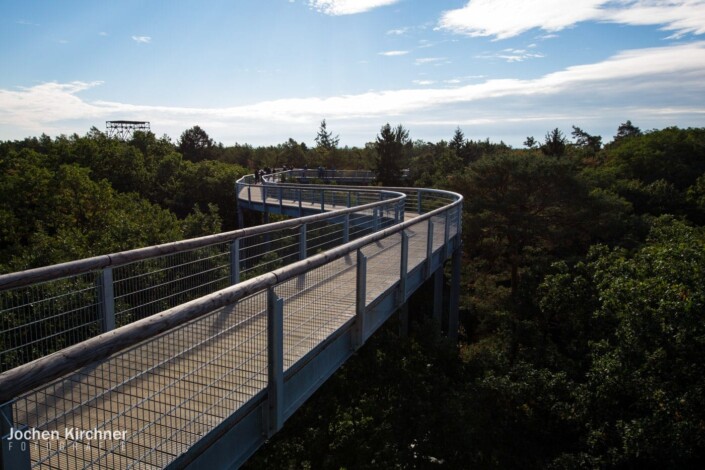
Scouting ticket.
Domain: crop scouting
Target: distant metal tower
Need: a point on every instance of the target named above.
(124, 129)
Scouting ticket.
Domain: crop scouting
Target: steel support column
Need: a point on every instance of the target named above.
(438, 294)
(454, 306)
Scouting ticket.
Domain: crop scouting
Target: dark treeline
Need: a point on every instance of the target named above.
(583, 319)
(583, 295)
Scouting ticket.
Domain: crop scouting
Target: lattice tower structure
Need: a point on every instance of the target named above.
(124, 129)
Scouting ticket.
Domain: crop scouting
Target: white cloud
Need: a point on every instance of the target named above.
(397, 32)
(393, 53)
(661, 83)
(507, 18)
(512, 55)
(142, 39)
(33, 108)
(347, 7)
(423, 82)
(429, 60)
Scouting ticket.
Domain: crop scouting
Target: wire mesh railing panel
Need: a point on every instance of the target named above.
(149, 404)
(316, 304)
(265, 252)
(383, 265)
(310, 197)
(411, 202)
(42, 318)
(290, 195)
(362, 223)
(147, 287)
(439, 231)
(432, 200)
(336, 199)
(418, 242)
(324, 235)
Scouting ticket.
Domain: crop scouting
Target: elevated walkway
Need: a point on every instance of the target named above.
(209, 345)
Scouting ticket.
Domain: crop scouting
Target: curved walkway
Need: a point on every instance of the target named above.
(207, 381)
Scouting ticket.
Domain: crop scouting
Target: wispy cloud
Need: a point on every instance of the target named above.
(512, 55)
(423, 82)
(26, 23)
(142, 39)
(669, 81)
(507, 18)
(347, 7)
(397, 32)
(429, 60)
(393, 53)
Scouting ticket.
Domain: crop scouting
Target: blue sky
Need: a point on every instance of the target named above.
(262, 71)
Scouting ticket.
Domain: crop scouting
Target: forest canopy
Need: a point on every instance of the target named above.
(583, 288)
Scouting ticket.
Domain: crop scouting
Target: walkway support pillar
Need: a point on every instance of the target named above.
(438, 295)
(404, 320)
(454, 295)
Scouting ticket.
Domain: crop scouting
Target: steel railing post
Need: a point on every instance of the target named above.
(446, 235)
(302, 242)
(107, 300)
(360, 300)
(235, 261)
(346, 228)
(429, 248)
(301, 209)
(460, 220)
(275, 361)
(403, 267)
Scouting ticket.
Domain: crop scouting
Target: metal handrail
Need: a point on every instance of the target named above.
(48, 308)
(70, 268)
(28, 376)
